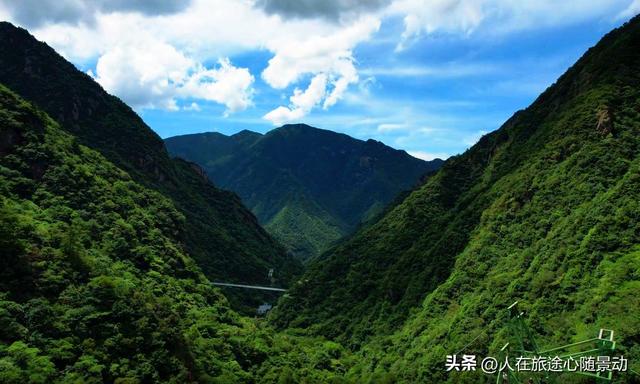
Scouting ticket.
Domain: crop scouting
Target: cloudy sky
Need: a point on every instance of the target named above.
(426, 76)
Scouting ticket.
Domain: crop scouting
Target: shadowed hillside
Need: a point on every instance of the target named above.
(308, 186)
(220, 233)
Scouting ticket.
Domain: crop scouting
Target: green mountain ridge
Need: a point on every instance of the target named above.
(95, 284)
(543, 211)
(309, 187)
(220, 233)
(100, 281)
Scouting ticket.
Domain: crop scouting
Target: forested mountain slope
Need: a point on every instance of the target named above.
(95, 286)
(308, 186)
(545, 210)
(220, 233)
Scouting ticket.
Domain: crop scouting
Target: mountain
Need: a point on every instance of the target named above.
(95, 285)
(544, 211)
(309, 187)
(220, 233)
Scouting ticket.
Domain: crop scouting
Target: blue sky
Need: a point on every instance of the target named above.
(429, 77)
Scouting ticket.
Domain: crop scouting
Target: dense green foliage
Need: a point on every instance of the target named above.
(220, 233)
(97, 282)
(95, 285)
(308, 186)
(544, 210)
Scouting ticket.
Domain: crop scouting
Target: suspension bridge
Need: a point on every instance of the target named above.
(260, 287)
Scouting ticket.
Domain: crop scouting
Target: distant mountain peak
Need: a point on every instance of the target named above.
(246, 132)
(308, 186)
(301, 128)
(297, 126)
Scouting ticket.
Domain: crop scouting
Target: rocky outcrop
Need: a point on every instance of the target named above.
(605, 121)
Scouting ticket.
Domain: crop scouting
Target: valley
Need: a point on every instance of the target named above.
(308, 187)
(304, 255)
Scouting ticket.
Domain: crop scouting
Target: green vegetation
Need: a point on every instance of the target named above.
(544, 210)
(306, 230)
(98, 282)
(95, 285)
(309, 187)
(222, 236)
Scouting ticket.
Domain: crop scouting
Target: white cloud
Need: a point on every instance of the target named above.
(329, 58)
(437, 15)
(192, 107)
(312, 96)
(448, 70)
(156, 75)
(632, 10)
(428, 156)
(226, 84)
(301, 102)
(153, 57)
(133, 49)
(330, 53)
(283, 115)
(494, 16)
